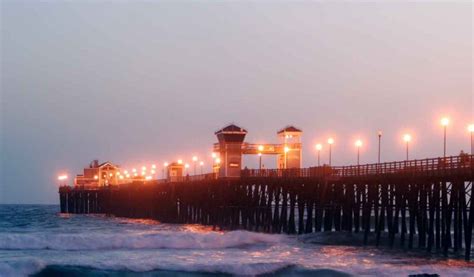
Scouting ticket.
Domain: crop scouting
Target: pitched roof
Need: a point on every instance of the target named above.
(105, 163)
(232, 128)
(289, 128)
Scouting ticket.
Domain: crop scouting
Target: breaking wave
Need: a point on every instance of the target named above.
(22, 267)
(37, 267)
(169, 240)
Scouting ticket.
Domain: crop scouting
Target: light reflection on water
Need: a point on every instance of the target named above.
(33, 237)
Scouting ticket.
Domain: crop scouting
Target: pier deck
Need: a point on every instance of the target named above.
(422, 204)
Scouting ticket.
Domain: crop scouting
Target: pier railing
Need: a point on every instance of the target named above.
(429, 166)
(433, 167)
(189, 178)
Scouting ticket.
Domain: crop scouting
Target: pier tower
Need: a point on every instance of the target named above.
(175, 172)
(230, 139)
(291, 156)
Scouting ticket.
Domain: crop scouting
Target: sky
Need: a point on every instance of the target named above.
(147, 82)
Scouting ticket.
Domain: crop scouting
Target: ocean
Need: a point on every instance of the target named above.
(36, 240)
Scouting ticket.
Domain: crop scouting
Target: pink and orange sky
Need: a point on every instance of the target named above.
(139, 82)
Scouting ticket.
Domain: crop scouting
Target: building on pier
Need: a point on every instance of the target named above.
(231, 139)
(98, 175)
(231, 147)
(175, 172)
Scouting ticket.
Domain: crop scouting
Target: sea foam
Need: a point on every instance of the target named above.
(21, 267)
(162, 239)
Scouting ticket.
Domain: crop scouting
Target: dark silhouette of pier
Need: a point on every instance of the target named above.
(423, 204)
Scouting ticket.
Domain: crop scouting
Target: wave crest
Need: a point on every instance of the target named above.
(21, 267)
(171, 240)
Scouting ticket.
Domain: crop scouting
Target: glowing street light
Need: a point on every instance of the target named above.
(134, 170)
(330, 142)
(444, 123)
(153, 166)
(218, 160)
(318, 148)
(470, 128)
(62, 179)
(143, 168)
(260, 148)
(358, 144)
(407, 139)
(180, 161)
(195, 159)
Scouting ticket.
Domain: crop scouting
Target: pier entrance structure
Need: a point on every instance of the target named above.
(231, 147)
(175, 172)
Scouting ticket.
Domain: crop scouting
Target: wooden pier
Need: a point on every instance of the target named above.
(423, 204)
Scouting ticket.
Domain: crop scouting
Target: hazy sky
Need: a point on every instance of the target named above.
(139, 82)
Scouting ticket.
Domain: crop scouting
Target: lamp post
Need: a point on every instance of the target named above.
(201, 164)
(358, 144)
(470, 128)
(444, 123)
(125, 173)
(186, 166)
(318, 148)
(330, 142)
(153, 171)
(195, 159)
(380, 141)
(286, 149)
(260, 150)
(407, 139)
(165, 165)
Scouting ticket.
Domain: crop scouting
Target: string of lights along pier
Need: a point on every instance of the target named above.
(423, 204)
